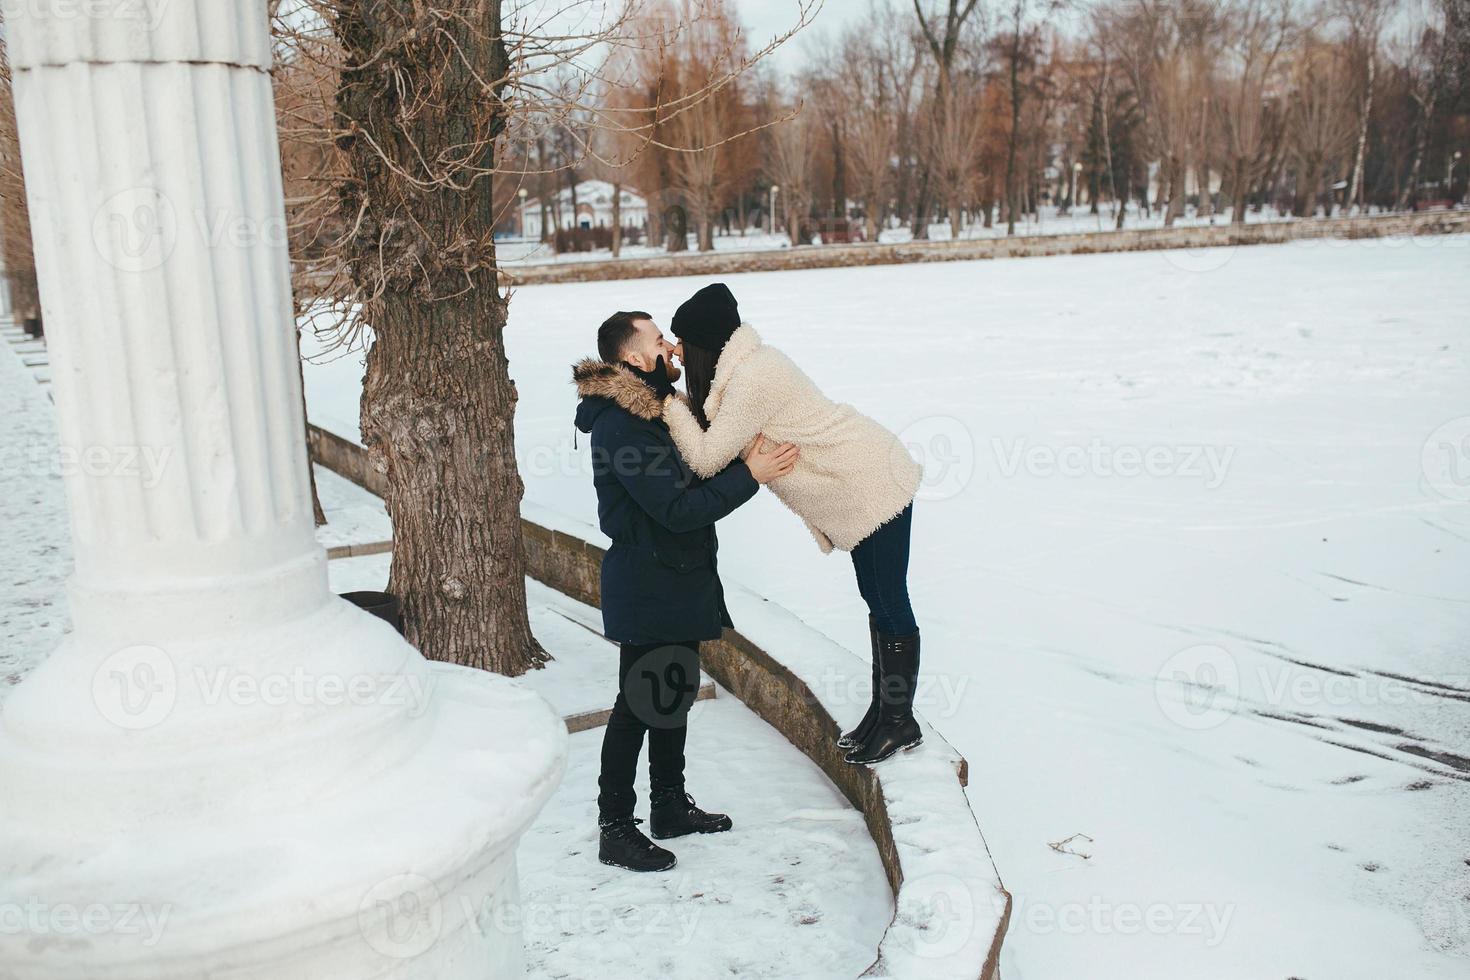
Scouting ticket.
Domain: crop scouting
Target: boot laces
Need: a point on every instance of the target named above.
(628, 830)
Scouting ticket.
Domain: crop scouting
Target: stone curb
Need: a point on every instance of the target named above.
(1021, 246)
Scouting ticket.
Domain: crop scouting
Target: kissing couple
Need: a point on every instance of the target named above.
(666, 468)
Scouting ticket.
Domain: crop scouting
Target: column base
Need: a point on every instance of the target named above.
(407, 874)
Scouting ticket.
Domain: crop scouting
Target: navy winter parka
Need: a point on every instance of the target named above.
(660, 580)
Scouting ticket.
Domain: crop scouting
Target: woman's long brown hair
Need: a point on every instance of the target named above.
(699, 374)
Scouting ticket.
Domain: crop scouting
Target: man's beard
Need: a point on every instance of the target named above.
(672, 369)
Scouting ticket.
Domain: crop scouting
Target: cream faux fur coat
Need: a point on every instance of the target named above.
(853, 475)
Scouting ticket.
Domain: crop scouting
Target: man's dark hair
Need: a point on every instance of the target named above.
(616, 332)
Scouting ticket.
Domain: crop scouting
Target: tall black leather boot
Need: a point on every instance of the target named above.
(856, 737)
(896, 729)
(623, 845)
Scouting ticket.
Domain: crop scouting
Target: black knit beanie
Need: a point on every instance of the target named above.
(708, 318)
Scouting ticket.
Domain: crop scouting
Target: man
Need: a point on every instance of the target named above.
(661, 592)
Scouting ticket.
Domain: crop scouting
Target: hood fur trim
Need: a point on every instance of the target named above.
(598, 379)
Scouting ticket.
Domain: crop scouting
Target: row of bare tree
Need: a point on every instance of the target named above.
(973, 112)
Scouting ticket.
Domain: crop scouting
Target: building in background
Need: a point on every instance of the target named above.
(594, 209)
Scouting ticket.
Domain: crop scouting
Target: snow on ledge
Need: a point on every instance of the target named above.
(951, 907)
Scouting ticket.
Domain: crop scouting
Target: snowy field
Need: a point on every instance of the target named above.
(1193, 568)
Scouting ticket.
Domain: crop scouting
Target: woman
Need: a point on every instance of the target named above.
(853, 486)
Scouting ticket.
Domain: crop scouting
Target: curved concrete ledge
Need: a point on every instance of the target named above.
(1020, 246)
(951, 909)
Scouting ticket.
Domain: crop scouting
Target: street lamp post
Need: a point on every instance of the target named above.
(522, 194)
(220, 742)
(1076, 183)
(775, 189)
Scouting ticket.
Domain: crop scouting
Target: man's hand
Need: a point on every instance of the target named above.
(767, 463)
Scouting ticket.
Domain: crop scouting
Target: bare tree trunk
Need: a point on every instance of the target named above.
(1355, 185)
(15, 221)
(654, 232)
(438, 404)
(794, 221)
(1175, 207)
(1015, 128)
(1421, 140)
(921, 208)
(839, 171)
(617, 219)
(1239, 192)
(318, 515)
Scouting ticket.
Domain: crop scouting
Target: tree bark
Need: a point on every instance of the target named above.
(318, 516)
(1014, 134)
(921, 208)
(437, 403)
(1239, 192)
(1355, 185)
(1175, 207)
(617, 219)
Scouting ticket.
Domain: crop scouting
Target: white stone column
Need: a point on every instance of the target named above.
(220, 741)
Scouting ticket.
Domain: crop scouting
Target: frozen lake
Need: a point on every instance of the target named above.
(1192, 562)
(1193, 568)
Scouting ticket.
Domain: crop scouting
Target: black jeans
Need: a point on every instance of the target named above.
(881, 561)
(657, 683)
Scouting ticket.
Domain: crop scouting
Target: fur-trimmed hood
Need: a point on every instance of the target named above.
(596, 379)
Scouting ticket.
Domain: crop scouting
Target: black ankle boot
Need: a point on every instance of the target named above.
(677, 815)
(856, 737)
(624, 846)
(896, 729)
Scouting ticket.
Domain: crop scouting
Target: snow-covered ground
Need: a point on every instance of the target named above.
(1193, 568)
(795, 890)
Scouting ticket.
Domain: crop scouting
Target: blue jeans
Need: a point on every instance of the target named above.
(881, 561)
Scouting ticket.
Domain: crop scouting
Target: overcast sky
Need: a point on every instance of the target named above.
(765, 19)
